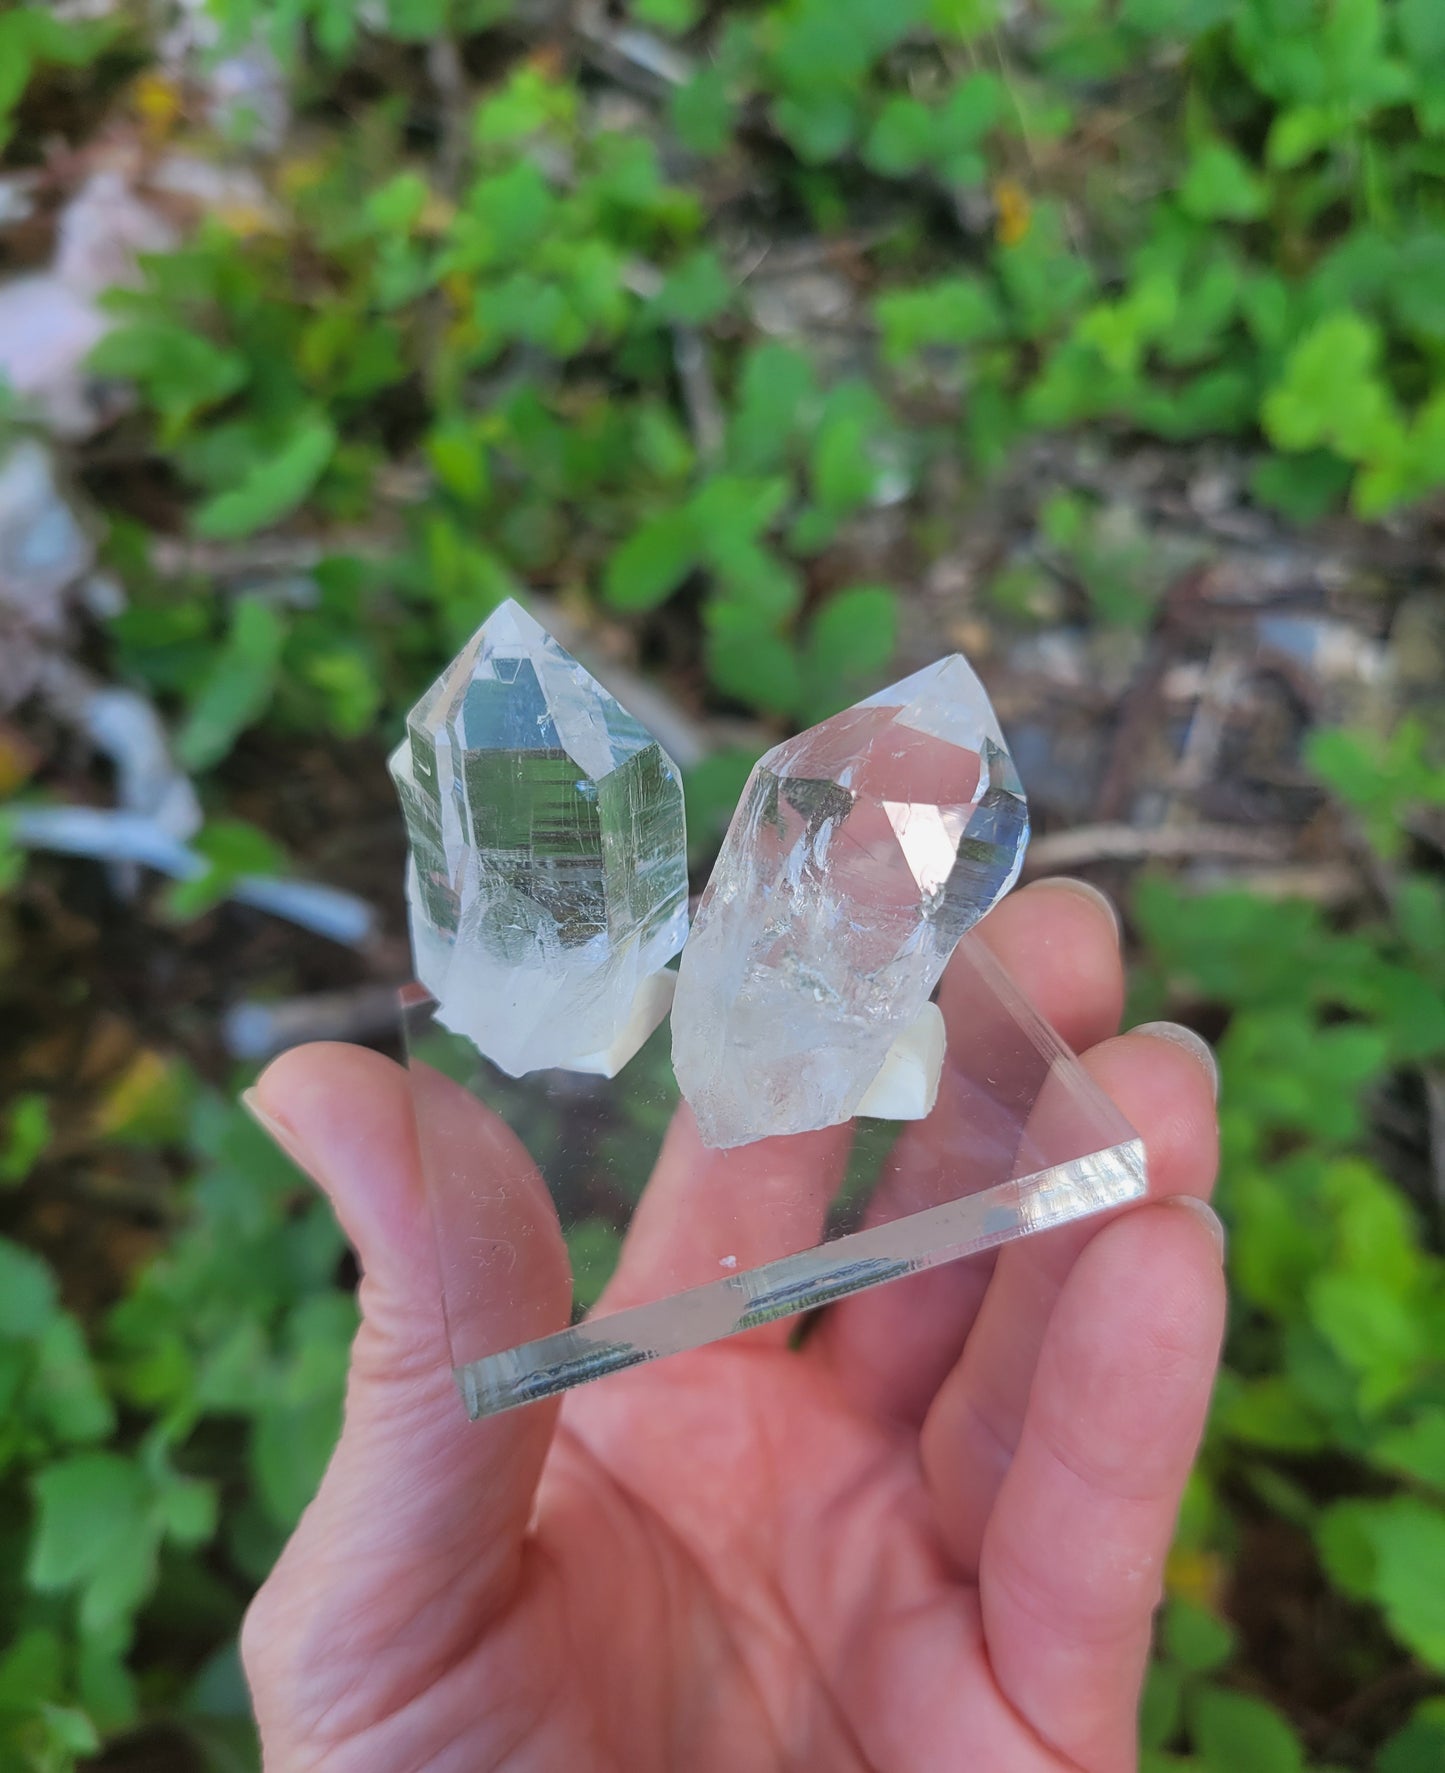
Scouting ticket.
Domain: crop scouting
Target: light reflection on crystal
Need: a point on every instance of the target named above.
(860, 854)
(548, 881)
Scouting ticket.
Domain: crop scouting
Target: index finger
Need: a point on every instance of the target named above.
(1074, 1550)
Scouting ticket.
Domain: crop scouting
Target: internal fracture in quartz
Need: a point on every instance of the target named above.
(548, 876)
(860, 853)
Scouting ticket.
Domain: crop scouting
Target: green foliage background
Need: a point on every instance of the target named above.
(462, 336)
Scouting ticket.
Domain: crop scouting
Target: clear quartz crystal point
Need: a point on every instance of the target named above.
(548, 877)
(861, 852)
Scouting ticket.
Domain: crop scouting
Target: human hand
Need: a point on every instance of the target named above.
(930, 1538)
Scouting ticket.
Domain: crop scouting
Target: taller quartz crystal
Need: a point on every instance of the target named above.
(860, 853)
(548, 877)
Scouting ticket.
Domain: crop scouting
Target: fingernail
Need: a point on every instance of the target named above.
(278, 1130)
(1194, 1044)
(1086, 890)
(1204, 1213)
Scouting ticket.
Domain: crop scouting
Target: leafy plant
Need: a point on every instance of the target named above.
(32, 43)
(1335, 1349)
(492, 336)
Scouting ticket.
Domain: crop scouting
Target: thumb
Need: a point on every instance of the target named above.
(412, 1545)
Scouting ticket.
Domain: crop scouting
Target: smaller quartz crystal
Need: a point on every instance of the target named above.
(548, 875)
(861, 852)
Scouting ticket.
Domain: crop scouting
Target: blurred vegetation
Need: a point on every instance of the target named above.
(471, 348)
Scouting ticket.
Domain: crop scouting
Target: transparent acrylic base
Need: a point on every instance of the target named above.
(562, 1263)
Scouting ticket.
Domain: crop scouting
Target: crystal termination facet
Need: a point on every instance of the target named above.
(548, 877)
(861, 852)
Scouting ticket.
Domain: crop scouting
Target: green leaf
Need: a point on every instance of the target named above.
(1409, 1540)
(1196, 1639)
(1122, 331)
(31, 1668)
(1417, 288)
(1407, 464)
(396, 206)
(674, 16)
(105, 1684)
(459, 458)
(335, 27)
(1375, 1331)
(1383, 779)
(1042, 273)
(1298, 133)
(973, 107)
(1220, 185)
(274, 487)
(751, 663)
(506, 217)
(70, 1731)
(23, 1138)
(841, 463)
(238, 687)
(231, 848)
(1421, 24)
(756, 581)
(1208, 304)
(653, 561)
(1160, 1705)
(187, 1511)
(179, 371)
(12, 857)
(697, 290)
(1066, 519)
(733, 507)
(713, 788)
(1392, 1552)
(819, 123)
(1266, 301)
(27, 1292)
(1330, 395)
(954, 311)
(849, 644)
(1420, 914)
(345, 679)
(1236, 1734)
(69, 1396)
(908, 134)
(94, 1532)
(529, 102)
(1185, 19)
(1416, 1449)
(902, 137)
(296, 1429)
(1420, 1746)
(702, 111)
(964, 20)
(818, 47)
(777, 395)
(1269, 1411)
(1302, 487)
(1346, 1548)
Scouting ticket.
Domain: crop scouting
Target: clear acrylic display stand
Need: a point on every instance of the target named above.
(553, 1168)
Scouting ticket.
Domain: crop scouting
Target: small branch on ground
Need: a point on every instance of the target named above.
(254, 1031)
(449, 77)
(704, 409)
(1127, 843)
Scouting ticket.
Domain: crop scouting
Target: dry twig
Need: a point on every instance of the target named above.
(1127, 843)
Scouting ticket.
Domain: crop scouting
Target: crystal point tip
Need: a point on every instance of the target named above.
(861, 852)
(548, 884)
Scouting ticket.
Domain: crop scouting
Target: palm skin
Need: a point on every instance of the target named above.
(930, 1538)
